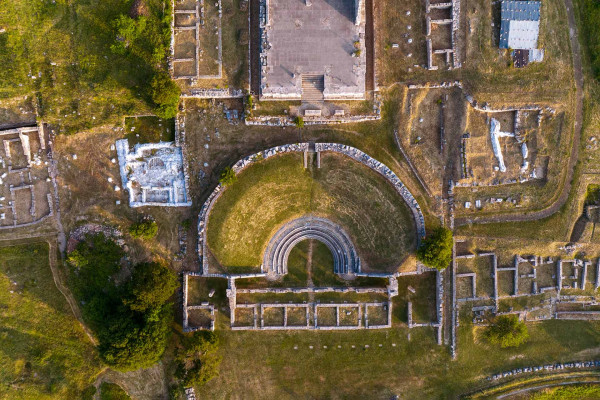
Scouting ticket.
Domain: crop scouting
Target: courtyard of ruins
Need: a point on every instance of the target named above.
(26, 177)
(311, 148)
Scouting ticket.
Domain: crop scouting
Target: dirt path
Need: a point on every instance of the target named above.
(254, 10)
(566, 189)
(56, 273)
(58, 281)
(309, 281)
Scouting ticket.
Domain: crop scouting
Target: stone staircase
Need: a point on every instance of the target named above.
(312, 88)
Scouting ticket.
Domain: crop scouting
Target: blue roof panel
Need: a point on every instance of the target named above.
(520, 10)
(514, 10)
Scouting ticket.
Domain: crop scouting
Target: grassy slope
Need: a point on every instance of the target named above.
(43, 350)
(272, 192)
(79, 82)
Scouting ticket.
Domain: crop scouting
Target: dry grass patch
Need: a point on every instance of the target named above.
(271, 192)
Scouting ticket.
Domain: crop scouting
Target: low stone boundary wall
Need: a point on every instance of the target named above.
(357, 290)
(214, 94)
(546, 367)
(289, 121)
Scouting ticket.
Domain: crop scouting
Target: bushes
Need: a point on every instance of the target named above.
(131, 319)
(227, 177)
(150, 286)
(165, 95)
(112, 391)
(197, 359)
(591, 27)
(507, 331)
(132, 340)
(146, 37)
(436, 249)
(145, 229)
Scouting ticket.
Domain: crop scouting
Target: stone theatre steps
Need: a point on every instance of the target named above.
(312, 88)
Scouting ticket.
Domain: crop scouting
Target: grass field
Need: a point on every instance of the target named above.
(44, 353)
(149, 129)
(111, 391)
(267, 365)
(568, 393)
(274, 191)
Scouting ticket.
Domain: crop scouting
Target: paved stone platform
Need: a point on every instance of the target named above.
(312, 37)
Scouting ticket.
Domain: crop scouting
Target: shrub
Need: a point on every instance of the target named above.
(132, 340)
(249, 104)
(150, 286)
(436, 249)
(299, 121)
(145, 229)
(507, 331)
(112, 391)
(228, 177)
(165, 95)
(197, 359)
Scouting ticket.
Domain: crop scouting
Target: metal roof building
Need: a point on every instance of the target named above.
(520, 24)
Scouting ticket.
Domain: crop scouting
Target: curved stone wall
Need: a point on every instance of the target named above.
(349, 151)
(345, 258)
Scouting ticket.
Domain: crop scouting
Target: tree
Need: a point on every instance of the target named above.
(197, 358)
(145, 229)
(132, 320)
(93, 262)
(150, 286)
(299, 121)
(507, 331)
(132, 340)
(436, 249)
(228, 177)
(165, 95)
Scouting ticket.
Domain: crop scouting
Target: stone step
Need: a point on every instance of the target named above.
(313, 86)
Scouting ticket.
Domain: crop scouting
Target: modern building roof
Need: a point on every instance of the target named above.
(520, 24)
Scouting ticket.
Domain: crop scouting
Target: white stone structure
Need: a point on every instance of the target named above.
(154, 174)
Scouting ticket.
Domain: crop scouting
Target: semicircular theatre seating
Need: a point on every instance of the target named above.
(345, 258)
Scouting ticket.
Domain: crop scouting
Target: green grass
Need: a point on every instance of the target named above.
(112, 391)
(488, 70)
(297, 274)
(80, 82)
(569, 393)
(44, 353)
(149, 129)
(272, 368)
(271, 192)
(592, 194)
